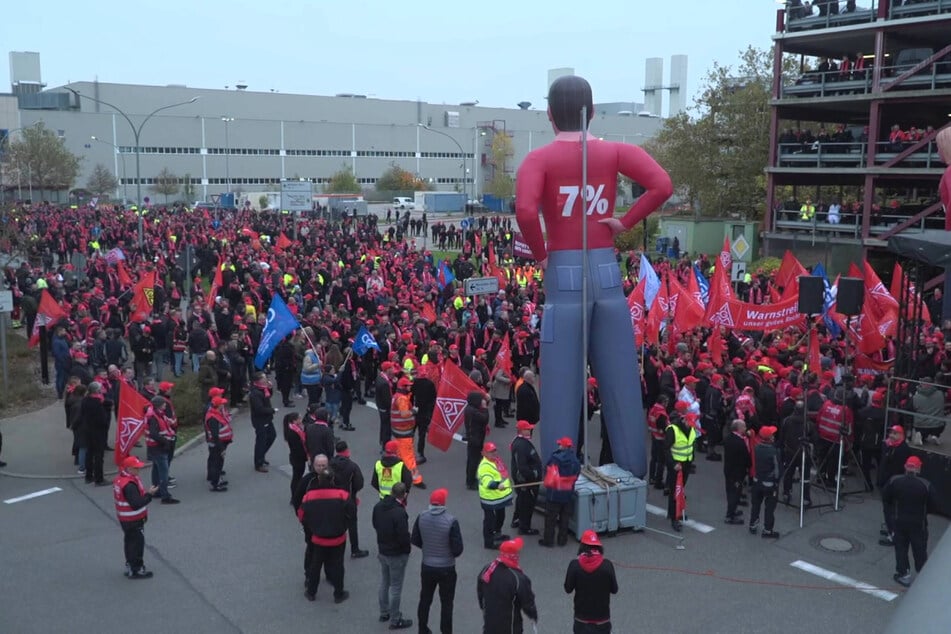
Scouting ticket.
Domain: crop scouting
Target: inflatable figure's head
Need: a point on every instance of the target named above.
(566, 97)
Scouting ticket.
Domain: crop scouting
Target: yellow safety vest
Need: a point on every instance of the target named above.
(682, 451)
(488, 473)
(806, 212)
(458, 303)
(386, 477)
(408, 366)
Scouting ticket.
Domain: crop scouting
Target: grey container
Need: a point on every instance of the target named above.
(614, 501)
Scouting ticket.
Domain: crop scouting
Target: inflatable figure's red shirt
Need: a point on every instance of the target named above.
(550, 179)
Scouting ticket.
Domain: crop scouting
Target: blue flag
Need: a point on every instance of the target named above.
(364, 341)
(445, 275)
(280, 323)
(703, 284)
(652, 284)
(828, 299)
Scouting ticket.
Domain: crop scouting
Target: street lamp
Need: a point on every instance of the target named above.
(136, 132)
(121, 155)
(227, 120)
(461, 151)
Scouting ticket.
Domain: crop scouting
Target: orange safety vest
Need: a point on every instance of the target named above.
(402, 421)
(653, 418)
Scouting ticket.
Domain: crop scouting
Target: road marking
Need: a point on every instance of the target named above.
(30, 496)
(457, 437)
(842, 580)
(695, 525)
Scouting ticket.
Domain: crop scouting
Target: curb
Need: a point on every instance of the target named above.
(74, 476)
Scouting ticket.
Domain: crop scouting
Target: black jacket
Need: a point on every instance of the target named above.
(261, 410)
(736, 457)
(526, 463)
(892, 462)
(527, 406)
(475, 418)
(392, 527)
(325, 510)
(592, 590)
(767, 463)
(869, 423)
(907, 500)
(503, 599)
(347, 475)
(320, 440)
(95, 414)
(383, 393)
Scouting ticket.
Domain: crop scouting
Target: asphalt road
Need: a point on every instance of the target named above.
(232, 562)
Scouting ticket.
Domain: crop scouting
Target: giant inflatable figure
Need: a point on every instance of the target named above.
(943, 141)
(549, 182)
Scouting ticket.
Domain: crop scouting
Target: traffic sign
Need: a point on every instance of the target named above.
(297, 195)
(6, 301)
(738, 272)
(740, 247)
(464, 223)
(481, 286)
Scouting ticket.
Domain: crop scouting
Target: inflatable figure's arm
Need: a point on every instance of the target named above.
(638, 165)
(529, 187)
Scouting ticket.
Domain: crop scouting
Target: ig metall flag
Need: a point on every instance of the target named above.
(280, 323)
(364, 341)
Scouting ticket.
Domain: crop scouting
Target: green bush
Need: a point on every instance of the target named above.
(769, 265)
(186, 396)
(634, 239)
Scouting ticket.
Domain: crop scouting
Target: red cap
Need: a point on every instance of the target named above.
(898, 429)
(407, 336)
(593, 381)
(737, 361)
(914, 462)
(453, 346)
(795, 392)
(590, 538)
(766, 432)
(391, 447)
(131, 462)
(215, 391)
(681, 406)
(218, 401)
(411, 347)
(438, 497)
(690, 380)
(523, 425)
(480, 351)
(165, 386)
(489, 447)
(335, 335)
(386, 365)
(404, 384)
(512, 546)
(565, 442)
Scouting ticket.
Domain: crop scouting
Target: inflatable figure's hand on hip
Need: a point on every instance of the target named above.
(614, 224)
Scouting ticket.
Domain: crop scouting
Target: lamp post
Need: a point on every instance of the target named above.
(119, 154)
(227, 120)
(136, 132)
(461, 151)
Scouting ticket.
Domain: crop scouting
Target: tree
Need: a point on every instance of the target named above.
(396, 179)
(501, 185)
(343, 182)
(715, 153)
(45, 161)
(166, 183)
(101, 181)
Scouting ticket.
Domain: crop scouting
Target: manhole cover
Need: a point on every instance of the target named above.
(837, 544)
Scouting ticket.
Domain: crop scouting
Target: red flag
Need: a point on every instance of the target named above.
(680, 498)
(283, 242)
(478, 243)
(688, 310)
(503, 358)
(451, 400)
(721, 294)
(657, 314)
(216, 283)
(254, 235)
(143, 296)
(725, 261)
(815, 358)
(490, 258)
(635, 304)
(131, 420)
(428, 312)
(693, 287)
(874, 288)
(912, 295)
(47, 313)
(787, 275)
(124, 278)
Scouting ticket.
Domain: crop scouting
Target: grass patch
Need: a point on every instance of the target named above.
(25, 392)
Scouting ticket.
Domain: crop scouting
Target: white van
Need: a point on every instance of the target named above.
(401, 202)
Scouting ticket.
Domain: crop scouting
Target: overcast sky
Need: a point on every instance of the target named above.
(494, 51)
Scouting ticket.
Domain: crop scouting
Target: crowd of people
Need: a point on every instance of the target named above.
(758, 398)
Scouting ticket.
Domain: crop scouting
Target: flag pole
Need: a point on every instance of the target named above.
(584, 280)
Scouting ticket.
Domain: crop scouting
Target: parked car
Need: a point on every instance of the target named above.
(401, 202)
